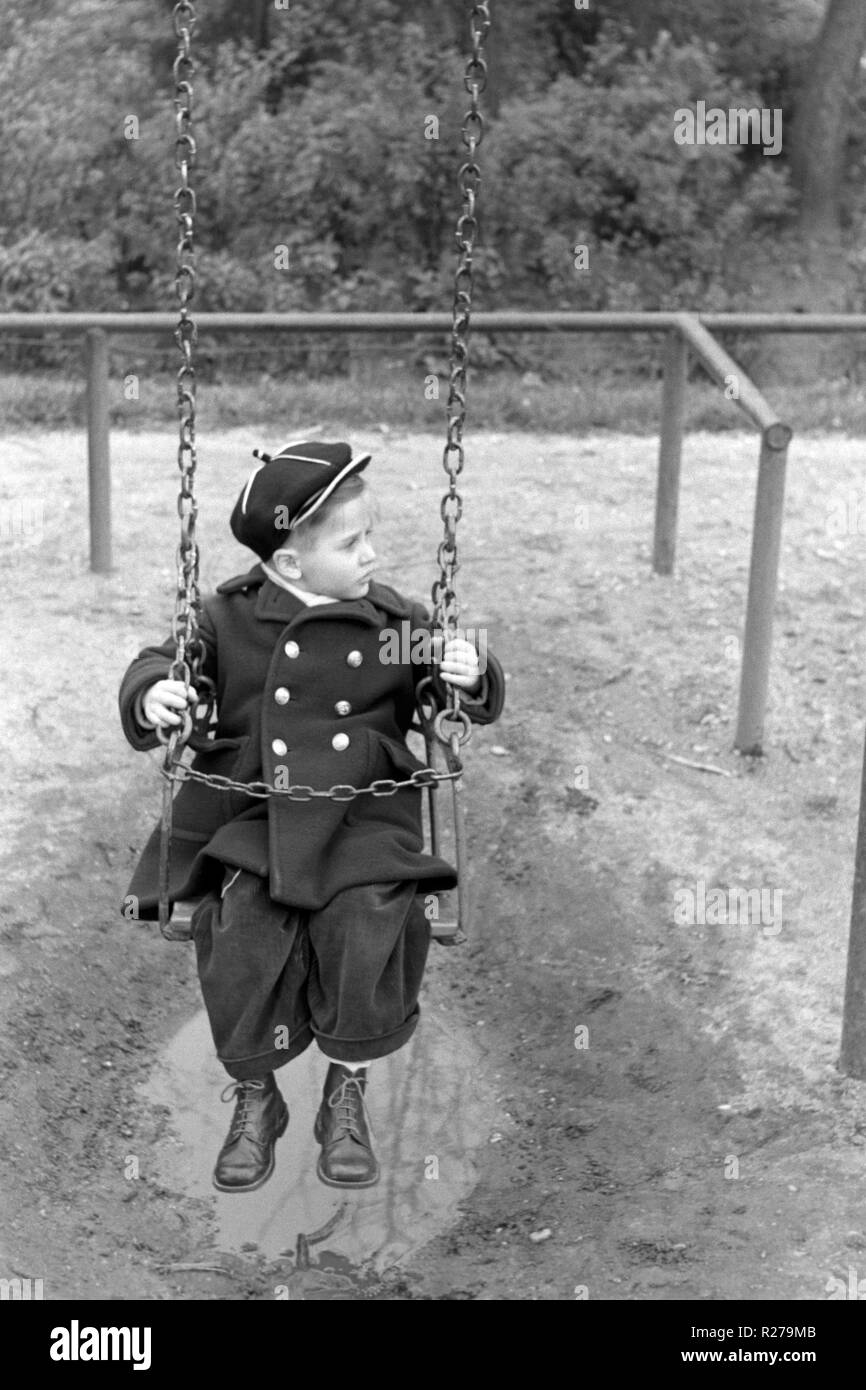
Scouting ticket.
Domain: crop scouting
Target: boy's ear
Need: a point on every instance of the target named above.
(286, 562)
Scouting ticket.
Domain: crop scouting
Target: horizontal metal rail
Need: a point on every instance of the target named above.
(506, 321)
(785, 323)
(516, 322)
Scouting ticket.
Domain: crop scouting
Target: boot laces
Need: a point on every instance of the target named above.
(242, 1120)
(347, 1101)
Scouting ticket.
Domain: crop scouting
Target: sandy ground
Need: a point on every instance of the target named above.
(650, 1110)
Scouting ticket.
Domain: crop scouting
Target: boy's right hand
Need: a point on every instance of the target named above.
(161, 702)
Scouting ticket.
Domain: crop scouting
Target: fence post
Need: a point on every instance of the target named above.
(670, 452)
(98, 457)
(852, 1060)
(766, 544)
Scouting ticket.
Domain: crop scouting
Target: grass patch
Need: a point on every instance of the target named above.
(496, 401)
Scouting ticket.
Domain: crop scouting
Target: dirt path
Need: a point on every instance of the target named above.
(703, 1143)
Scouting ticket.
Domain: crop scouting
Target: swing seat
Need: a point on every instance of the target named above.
(446, 930)
(179, 925)
(451, 928)
(445, 911)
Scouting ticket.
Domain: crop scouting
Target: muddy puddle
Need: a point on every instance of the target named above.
(431, 1110)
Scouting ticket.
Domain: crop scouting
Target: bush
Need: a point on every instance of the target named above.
(594, 162)
(42, 274)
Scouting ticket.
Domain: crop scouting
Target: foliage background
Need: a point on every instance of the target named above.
(311, 133)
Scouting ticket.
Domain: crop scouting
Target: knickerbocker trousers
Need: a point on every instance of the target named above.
(274, 978)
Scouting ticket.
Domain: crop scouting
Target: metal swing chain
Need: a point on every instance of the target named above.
(446, 609)
(189, 648)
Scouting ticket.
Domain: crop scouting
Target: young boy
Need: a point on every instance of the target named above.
(310, 927)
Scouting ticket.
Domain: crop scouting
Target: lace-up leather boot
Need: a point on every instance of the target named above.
(246, 1159)
(342, 1128)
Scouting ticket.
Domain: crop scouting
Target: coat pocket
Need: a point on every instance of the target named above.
(223, 757)
(390, 757)
(205, 808)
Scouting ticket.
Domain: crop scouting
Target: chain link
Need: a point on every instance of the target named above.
(446, 609)
(384, 786)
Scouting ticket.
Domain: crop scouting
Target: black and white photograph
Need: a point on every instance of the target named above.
(432, 538)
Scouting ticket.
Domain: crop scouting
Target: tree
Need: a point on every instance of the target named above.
(823, 118)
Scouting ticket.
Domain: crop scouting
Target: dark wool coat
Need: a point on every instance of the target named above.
(303, 688)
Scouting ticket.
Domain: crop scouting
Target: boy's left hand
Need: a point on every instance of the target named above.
(459, 665)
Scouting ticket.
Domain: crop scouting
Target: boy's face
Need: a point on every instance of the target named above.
(336, 558)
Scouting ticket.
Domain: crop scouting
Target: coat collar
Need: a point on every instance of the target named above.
(276, 604)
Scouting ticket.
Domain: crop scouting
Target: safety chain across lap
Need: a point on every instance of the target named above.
(450, 732)
(384, 786)
(446, 610)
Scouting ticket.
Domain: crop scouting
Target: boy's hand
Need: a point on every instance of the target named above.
(161, 701)
(459, 665)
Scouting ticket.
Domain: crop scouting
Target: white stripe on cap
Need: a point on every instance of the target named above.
(246, 493)
(301, 458)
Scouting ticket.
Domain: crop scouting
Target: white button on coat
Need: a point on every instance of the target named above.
(280, 748)
(354, 659)
(340, 741)
(292, 649)
(281, 695)
(343, 707)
